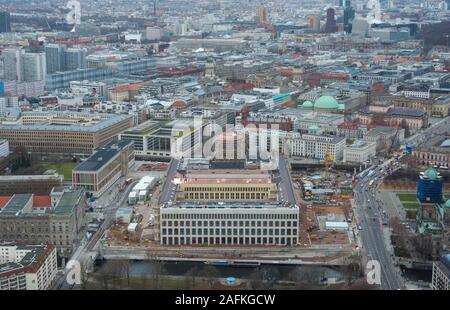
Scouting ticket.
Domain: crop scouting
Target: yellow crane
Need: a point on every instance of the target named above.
(329, 159)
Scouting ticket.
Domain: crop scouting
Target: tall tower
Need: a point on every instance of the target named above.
(349, 15)
(296, 75)
(314, 23)
(209, 69)
(5, 22)
(262, 15)
(12, 64)
(330, 25)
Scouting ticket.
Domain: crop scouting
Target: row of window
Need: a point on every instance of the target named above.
(229, 240)
(230, 216)
(230, 231)
(230, 223)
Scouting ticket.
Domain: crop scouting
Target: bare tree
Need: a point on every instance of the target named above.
(211, 274)
(191, 276)
(124, 270)
(84, 276)
(157, 270)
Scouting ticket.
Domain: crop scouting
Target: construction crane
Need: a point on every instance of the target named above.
(394, 140)
(329, 159)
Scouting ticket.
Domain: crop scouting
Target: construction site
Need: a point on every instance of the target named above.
(324, 192)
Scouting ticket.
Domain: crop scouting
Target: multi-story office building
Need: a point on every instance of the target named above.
(34, 67)
(165, 140)
(153, 33)
(22, 66)
(317, 146)
(90, 88)
(436, 107)
(62, 79)
(389, 115)
(27, 267)
(384, 75)
(262, 15)
(12, 64)
(441, 274)
(229, 224)
(314, 23)
(227, 185)
(240, 70)
(101, 170)
(25, 89)
(360, 151)
(5, 22)
(434, 152)
(75, 58)
(64, 132)
(55, 56)
(37, 184)
(54, 219)
(330, 24)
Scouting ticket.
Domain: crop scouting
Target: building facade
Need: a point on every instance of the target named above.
(64, 132)
(441, 274)
(360, 151)
(229, 225)
(27, 267)
(317, 146)
(103, 168)
(57, 222)
(227, 185)
(37, 184)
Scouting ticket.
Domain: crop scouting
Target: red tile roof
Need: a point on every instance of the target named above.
(42, 201)
(4, 200)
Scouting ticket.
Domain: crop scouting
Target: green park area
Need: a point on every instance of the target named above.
(409, 201)
(64, 168)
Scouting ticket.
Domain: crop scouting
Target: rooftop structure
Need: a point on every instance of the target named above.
(27, 267)
(97, 173)
(64, 132)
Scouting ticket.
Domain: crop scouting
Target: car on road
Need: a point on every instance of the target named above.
(359, 227)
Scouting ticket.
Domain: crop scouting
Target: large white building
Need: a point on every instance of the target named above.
(93, 88)
(317, 146)
(229, 224)
(34, 67)
(163, 140)
(360, 151)
(22, 66)
(27, 267)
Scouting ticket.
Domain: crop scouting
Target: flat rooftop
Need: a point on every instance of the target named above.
(144, 128)
(231, 206)
(68, 201)
(102, 156)
(102, 124)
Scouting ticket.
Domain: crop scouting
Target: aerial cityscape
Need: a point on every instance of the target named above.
(225, 145)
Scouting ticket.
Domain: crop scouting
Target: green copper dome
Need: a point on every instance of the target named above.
(326, 102)
(431, 174)
(307, 104)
